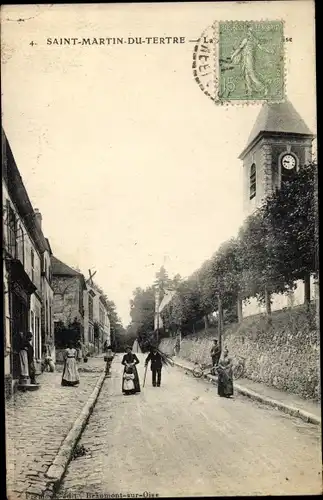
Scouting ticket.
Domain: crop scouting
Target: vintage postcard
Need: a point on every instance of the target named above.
(160, 250)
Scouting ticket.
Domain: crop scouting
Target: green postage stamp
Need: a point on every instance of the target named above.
(241, 61)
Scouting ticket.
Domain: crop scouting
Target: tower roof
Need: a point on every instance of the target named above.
(281, 118)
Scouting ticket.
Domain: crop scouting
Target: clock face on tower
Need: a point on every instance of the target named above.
(288, 161)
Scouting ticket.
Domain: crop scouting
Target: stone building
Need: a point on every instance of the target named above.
(25, 251)
(47, 319)
(279, 143)
(88, 299)
(96, 319)
(104, 321)
(68, 309)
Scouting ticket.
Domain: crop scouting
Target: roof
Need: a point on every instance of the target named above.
(61, 269)
(280, 118)
(48, 245)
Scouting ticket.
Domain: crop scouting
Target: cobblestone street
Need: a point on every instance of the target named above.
(182, 439)
(38, 422)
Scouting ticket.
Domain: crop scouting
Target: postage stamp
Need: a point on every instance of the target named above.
(241, 61)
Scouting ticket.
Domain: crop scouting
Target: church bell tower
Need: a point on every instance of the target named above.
(279, 144)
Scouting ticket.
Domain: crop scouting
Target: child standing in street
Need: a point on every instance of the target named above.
(128, 381)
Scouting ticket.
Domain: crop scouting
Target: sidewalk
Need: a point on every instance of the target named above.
(310, 411)
(37, 424)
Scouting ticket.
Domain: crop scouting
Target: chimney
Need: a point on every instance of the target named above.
(38, 217)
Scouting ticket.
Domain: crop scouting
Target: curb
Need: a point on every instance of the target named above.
(58, 467)
(290, 410)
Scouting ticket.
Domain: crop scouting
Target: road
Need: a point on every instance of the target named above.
(183, 440)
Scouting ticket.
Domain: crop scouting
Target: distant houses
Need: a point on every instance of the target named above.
(80, 312)
(41, 294)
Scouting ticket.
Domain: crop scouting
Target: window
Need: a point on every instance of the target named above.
(32, 266)
(101, 312)
(50, 321)
(12, 230)
(32, 321)
(46, 317)
(90, 307)
(91, 334)
(253, 181)
(21, 245)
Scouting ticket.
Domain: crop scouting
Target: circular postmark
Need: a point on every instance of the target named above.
(204, 62)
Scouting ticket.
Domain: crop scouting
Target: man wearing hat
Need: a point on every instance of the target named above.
(156, 365)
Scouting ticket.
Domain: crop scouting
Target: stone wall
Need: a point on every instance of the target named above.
(66, 305)
(279, 301)
(285, 354)
(8, 389)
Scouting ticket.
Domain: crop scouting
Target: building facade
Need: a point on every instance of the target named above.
(24, 250)
(104, 321)
(68, 306)
(88, 296)
(279, 144)
(97, 323)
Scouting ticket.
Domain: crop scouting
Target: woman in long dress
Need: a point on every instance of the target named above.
(70, 372)
(21, 357)
(130, 360)
(225, 377)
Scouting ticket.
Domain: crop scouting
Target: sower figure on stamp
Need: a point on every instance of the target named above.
(156, 365)
(245, 55)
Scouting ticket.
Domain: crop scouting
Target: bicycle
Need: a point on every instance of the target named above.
(108, 363)
(239, 368)
(202, 370)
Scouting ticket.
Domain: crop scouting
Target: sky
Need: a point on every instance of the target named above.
(130, 164)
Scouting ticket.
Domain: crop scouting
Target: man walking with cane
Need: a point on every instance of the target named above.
(156, 365)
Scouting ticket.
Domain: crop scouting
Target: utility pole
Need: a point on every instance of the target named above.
(220, 321)
(317, 255)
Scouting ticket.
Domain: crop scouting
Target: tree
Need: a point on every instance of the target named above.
(277, 245)
(176, 281)
(124, 338)
(116, 327)
(64, 334)
(142, 312)
(162, 281)
(290, 213)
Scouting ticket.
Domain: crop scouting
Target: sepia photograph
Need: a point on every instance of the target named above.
(161, 311)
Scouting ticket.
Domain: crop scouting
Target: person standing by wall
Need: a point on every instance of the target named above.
(30, 355)
(215, 353)
(225, 376)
